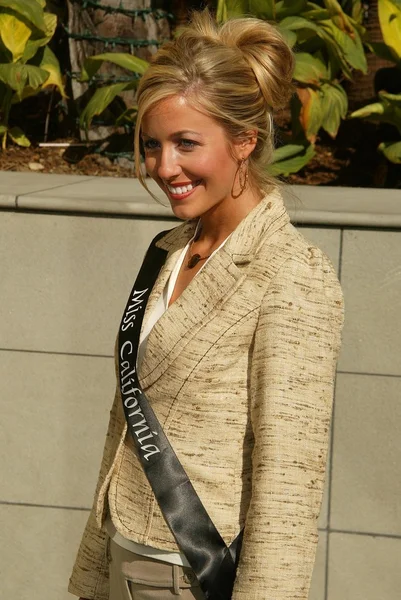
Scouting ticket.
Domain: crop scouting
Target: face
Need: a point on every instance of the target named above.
(187, 154)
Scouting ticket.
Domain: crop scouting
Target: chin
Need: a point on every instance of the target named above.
(184, 213)
(186, 210)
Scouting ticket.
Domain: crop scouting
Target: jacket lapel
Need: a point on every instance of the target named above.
(173, 242)
(210, 288)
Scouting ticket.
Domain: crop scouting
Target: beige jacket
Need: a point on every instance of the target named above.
(240, 372)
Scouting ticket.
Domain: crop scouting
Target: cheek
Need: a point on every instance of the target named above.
(217, 167)
(150, 165)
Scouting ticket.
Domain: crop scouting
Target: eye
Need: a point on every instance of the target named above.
(187, 144)
(150, 144)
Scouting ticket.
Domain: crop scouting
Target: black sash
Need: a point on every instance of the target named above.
(212, 561)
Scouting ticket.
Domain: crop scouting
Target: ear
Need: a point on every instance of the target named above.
(244, 145)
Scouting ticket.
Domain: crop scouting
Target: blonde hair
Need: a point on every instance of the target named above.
(237, 72)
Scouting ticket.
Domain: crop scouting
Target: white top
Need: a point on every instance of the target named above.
(177, 558)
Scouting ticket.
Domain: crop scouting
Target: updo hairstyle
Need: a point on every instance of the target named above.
(237, 73)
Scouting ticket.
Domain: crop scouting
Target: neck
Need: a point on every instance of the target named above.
(217, 224)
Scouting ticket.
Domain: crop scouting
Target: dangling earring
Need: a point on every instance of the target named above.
(242, 172)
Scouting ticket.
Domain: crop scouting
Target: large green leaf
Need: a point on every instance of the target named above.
(18, 137)
(127, 61)
(32, 47)
(37, 42)
(101, 100)
(381, 50)
(377, 108)
(27, 92)
(17, 76)
(50, 64)
(315, 14)
(359, 27)
(263, 9)
(221, 11)
(387, 111)
(338, 16)
(334, 105)
(50, 23)
(337, 62)
(289, 36)
(350, 48)
(390, 24)
(304, 29)
(288, 8)
(357, 10)
(311, 113)
(231, 8)
(392, 151)
(14, 34)
(390, 98)
(290, 158)
(30, 9)
(309, 69)
(295, 23)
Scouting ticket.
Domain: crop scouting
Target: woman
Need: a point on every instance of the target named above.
(240, 336)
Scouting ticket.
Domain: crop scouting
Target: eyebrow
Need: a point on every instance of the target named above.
(177, 133)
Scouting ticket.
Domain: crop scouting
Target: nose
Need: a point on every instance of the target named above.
(168, 164)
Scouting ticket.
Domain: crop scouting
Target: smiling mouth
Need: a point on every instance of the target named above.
(183, 189)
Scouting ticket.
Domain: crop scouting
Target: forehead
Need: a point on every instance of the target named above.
(176, 113)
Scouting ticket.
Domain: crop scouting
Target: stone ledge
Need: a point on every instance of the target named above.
(307, 205)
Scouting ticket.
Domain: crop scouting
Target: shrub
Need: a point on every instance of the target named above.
(27, 64)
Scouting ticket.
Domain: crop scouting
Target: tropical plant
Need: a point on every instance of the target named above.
(328, 45)
(103, 96)
(27, 64)
(388, 107)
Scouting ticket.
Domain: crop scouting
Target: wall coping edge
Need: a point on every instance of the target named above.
(307, 205)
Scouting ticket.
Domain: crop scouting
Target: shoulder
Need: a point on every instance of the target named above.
(305, 275)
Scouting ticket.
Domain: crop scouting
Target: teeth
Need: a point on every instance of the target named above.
(182, 190)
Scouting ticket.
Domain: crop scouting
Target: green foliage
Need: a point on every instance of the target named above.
(392, 151)
(387, 110)
(103, 96)
(27, 65)
(390, 24)
(31, 11)
(388, 107)
(101, 100)
(290, 158)
(127, 61)
(328, 41)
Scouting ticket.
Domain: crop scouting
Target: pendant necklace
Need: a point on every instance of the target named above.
(195, 258)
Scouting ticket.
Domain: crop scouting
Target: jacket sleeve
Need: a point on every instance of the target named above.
(294, 358)
(90, 575)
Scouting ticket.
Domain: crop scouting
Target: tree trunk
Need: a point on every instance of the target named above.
(134, 34)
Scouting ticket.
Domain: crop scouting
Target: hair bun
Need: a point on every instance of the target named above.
(268, 55)
(263, 48)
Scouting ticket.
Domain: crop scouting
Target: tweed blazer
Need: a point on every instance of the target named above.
(240, 371)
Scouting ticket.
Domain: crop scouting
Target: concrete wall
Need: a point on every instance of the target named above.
(64, 283)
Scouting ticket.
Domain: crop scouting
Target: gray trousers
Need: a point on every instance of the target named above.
(135, 577)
